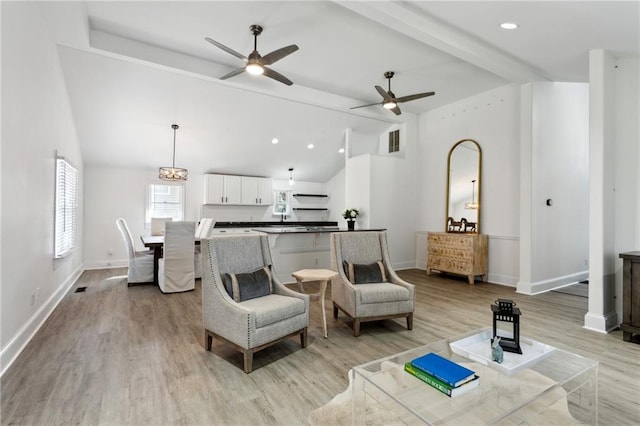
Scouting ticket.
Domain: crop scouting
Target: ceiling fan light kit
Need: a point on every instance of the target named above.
(389, 99)
(256, 64)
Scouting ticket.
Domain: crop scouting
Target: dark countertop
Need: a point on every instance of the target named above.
(308, 230)
(279, 224)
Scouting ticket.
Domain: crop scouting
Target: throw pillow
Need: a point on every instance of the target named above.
(249, 285)
(363, 274)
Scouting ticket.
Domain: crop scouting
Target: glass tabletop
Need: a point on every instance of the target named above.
(559, 387)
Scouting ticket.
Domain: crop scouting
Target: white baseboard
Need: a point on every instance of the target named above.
(404, 265)
(600, 323)
(106, 264)
(551, 284)
(15, 346)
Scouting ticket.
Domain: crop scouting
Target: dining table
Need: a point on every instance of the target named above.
(156, 243)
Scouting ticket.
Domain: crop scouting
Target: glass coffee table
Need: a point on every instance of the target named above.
(549, 386)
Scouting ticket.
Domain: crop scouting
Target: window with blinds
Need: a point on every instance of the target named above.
(66, 208)
(166, 200)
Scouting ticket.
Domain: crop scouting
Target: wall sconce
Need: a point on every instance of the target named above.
(505, 311)
(291, 176)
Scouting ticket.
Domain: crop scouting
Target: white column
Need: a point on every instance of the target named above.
(601, 316)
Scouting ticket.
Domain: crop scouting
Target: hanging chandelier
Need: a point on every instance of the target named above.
(173, 173)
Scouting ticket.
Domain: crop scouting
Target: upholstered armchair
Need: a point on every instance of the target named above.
(140, 262)
(367, 288)
(202, 231)
(243, 302)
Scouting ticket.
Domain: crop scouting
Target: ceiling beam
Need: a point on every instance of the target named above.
(412, 22)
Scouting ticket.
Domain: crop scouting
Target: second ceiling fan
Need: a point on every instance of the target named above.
(389, 100)
(255, 63)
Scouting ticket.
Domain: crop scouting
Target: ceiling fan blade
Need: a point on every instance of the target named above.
(232, 73)
(414, 97)
(382, 92)
(276, 55)
(277, 76)
(367, 105)
(396, 110)
(226, 49)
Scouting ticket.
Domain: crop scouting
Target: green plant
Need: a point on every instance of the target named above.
(350, 214)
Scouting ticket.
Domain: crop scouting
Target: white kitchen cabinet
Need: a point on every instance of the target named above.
(222, 189)
(256, 190)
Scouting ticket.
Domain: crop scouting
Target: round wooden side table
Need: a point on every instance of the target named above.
(323, 276)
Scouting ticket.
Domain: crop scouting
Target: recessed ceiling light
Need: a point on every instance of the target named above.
(274, 141)
(310, 146)
(341, 150)
(509, 25)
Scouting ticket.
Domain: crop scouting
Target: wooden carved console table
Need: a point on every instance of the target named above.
(462, 254)
(630, 294)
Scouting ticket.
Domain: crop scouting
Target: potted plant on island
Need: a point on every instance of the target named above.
(351, 215)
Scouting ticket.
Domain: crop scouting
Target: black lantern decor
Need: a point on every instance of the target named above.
(505, 311)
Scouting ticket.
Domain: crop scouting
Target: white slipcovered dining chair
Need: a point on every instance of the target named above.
(367, 287)
(176, 268)
(157, 225)
(140, 262)
(202, 232)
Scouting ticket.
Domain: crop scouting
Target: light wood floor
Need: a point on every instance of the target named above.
(131, 356)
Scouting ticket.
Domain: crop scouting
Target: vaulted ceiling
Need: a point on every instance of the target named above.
(134, 68)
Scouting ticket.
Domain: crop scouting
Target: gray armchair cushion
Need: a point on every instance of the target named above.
(364, 274)
(274, 308)
(382, 292)
(249, 285)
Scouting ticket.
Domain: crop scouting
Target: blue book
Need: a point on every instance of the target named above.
(448, 371)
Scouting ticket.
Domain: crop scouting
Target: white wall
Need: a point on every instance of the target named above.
(36, 122)
(111, 193)
(358, 188)
(556, 157)
(336, 188)
(492, 119)
(381, 186)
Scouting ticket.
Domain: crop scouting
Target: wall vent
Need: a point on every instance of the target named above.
(394, 141)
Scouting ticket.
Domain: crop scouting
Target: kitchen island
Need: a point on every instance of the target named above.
(294, 245)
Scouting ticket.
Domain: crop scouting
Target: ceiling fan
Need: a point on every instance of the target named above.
(257, 64)
(389, 100)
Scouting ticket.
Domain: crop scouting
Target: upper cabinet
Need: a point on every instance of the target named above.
(222, 189)
(256, 190)
(227, 189)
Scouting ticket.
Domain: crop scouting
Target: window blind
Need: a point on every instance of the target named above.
(66, 208)
(166, 201)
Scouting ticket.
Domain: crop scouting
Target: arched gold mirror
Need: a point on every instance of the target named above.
(464, 168)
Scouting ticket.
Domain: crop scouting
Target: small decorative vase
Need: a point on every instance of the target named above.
(351, 225)
(497, 353)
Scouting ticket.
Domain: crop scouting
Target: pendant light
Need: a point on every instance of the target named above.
(173, 173)
(291, 176)
(472, 205)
